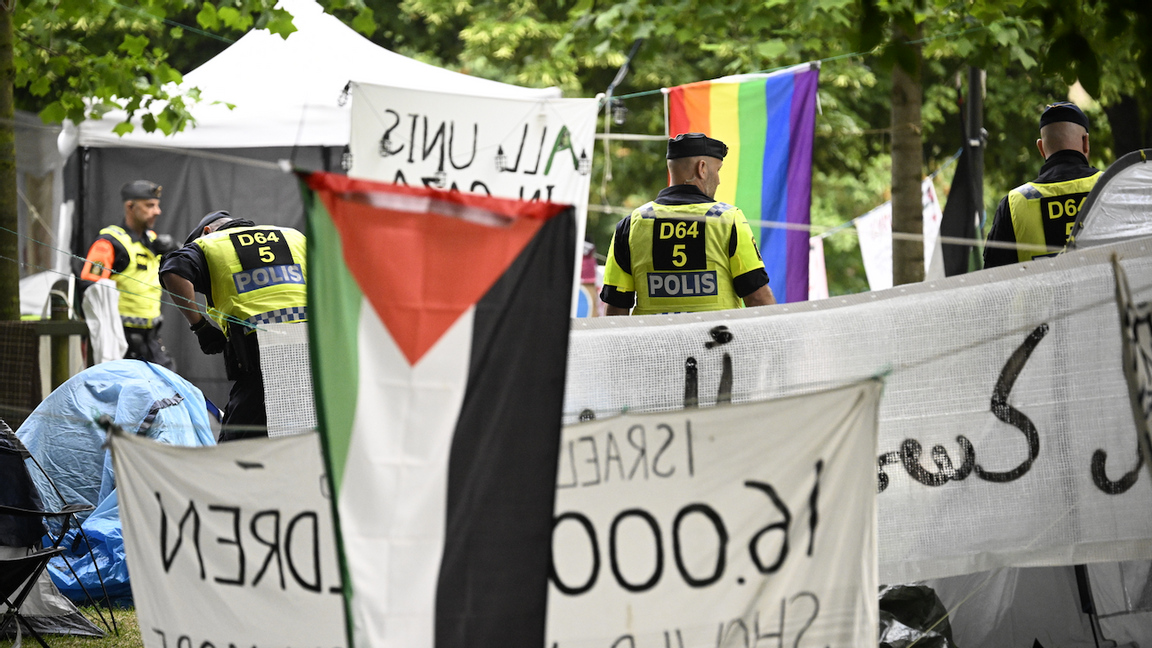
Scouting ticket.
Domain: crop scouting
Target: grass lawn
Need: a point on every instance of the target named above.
(125, 622)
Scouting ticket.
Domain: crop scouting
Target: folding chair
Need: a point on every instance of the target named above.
(17, 579)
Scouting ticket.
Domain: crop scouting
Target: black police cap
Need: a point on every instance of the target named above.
(1063, 111)
(695, 144)
(205, 222)
(140, 190)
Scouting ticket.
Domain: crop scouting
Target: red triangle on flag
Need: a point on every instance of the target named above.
(422, 257)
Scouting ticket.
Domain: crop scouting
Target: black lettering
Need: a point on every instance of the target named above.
(778, 636)
(519, 152)
(656, 458)
(427, 148)
(412, 140)
(814, 516)
(726, 634)
(775, 526)
(886, 459)
(811, 619)
(588, 529)
(477, 183)
(1100, 473)
(691, 386)
(451, 145)
(657, 571)
(724, 394)
(628, 637)
(910, 451)
(688, 435)
(721, 550)
(399, 178)
(1012, 416)
(184, 642)
(612, 453)
(163, 639)
(595, 460)
(234, 540)
(169, 558)
(273, 545)
(539, 155)
(642, 458)
(386, 149)
(314, 585)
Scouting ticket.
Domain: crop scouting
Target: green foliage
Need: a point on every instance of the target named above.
(79, 59)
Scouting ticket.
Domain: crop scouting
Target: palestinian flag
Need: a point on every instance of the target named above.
(439, 332)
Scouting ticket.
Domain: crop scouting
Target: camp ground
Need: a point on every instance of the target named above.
(453, 459)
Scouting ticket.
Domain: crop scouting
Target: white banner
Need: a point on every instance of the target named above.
(724, 526)
(1006, 432)
(817, 270)
(875, 232)
(527, 149)
(230, 545)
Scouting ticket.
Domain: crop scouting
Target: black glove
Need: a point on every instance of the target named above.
(211, 339)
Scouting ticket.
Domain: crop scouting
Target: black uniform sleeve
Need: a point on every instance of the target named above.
(189, 262)
(750, 282)
(120, 260)
(1003, 232)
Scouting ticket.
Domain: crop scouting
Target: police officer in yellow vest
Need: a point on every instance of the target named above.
(1043, 211)
(685, 252)
(130, 255)
(250, 275)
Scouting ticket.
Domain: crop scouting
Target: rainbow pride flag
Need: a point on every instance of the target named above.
(767, 121)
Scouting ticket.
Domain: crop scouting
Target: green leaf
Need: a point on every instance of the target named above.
(280, 22)
(41, 86)
(364, 22)
(54, 113)
(772, 48)
(230, 16)
(123, 128)
(134, 45)
(148, 121)
(207, 17)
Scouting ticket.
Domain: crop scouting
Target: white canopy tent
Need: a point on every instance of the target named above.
(287, 92)
(288, 103)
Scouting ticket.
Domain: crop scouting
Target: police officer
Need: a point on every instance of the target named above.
(685, 252)
(1043, 211)
(250, 276)
(130, 255)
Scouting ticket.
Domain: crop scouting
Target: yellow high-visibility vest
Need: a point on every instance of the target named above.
(1044, 213)
(258, 275)
(139, 282)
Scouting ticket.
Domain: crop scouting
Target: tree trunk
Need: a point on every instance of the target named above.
(9, 245)
(907, 169)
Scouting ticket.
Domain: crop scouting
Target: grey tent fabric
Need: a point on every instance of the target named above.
(1119, 207)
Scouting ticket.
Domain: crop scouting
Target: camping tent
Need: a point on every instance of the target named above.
(288, 103)
(1119, 207)
(63, 436)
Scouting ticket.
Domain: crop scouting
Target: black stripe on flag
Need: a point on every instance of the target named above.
(493, 583)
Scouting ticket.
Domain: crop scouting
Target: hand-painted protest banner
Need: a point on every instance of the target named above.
(526, 149)
(1136, 337)
(1006, 431)
(736, 525)
(230, 545)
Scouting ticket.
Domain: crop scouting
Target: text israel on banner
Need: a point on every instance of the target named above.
(527, 149)
(1136, 335)
(439, 339)
(1006, 432)
(231, 544)
(739, 525)
(768, 122)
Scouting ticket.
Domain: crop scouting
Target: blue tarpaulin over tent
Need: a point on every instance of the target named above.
(63, 436)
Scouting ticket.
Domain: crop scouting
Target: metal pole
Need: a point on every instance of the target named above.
(976, 140)
(59, 342)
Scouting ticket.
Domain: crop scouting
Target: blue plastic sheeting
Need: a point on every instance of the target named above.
(65, 440)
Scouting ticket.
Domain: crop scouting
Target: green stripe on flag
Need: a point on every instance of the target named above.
(753, 135)
(334, 302)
